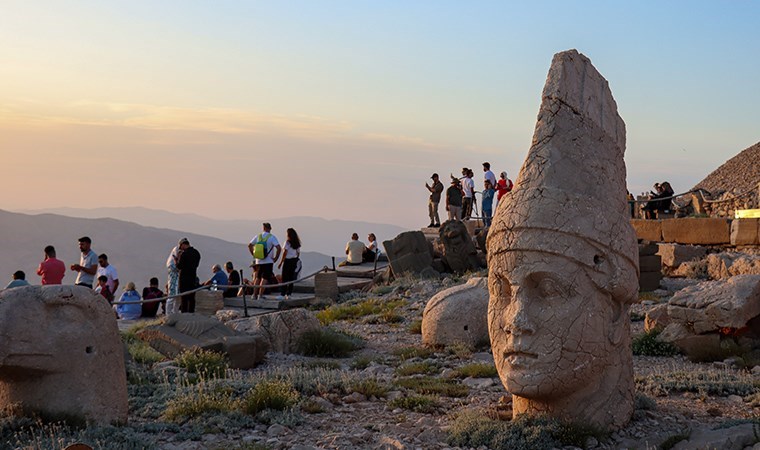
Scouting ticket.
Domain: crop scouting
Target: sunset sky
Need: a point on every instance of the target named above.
(343, 109)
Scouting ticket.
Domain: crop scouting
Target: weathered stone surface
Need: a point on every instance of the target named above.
(409, 252)
(737, 437)
(459, 253)
(281, 329)
(712, 305)
(699, 231)
(182, 332)
(457, 314)
(697, 347)
(208, 302)
(326, 286)
(745, 232)
(657, 318)
(61, 354)
(563, 259)
(673, 255)
(721, 266)
(648, 230)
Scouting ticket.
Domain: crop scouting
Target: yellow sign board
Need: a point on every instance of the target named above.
(747, 214)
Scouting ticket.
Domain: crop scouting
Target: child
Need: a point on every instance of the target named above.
(488, 194)
(103, 289)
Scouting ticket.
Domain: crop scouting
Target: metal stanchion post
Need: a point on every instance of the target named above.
(245, 305)
(333, 262)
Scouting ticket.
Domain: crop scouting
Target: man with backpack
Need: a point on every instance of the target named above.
(261, 247)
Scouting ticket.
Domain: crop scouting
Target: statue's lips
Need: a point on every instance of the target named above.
(518, 358)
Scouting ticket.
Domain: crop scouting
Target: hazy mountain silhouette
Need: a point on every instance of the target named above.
(138, 252)
(318, 235)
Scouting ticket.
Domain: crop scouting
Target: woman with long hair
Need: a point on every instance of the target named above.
(289, 261)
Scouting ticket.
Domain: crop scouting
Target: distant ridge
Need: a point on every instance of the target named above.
(737, 175)
(319, 235)
(138, 252)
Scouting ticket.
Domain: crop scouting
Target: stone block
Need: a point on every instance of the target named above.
(651, 263)
(699, 231)
(657, 318)
(281, 329)
(648, 230)
(457, 315)
(745, 231)
(649, 281)
(647, 248)
(326, 285)
(208, 302)
(673, 255)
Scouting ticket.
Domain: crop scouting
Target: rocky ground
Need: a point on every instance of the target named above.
(376, 397)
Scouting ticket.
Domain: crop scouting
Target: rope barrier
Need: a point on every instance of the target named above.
(227, 286)
(693, 191)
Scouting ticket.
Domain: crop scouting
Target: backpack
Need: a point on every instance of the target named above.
(260, 247)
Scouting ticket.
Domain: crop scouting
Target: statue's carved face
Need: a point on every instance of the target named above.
(549, 324)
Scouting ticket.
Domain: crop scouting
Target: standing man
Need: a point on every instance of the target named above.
(454, 200)
(109, 272)
(261, 247)
(233, 279)
(488, 174)
(187, 264)
(88, 263)
(51, 270)
(435, 198)
(468, 191)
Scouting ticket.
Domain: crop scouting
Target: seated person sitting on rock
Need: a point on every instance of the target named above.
(19, 279)
(218, 278)
(103, 289)
(372, 250)
(150, 309)
(661, 191)
(354, 249)
(129, 311)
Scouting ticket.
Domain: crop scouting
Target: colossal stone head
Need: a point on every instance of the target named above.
(562, 259)
(61, 355)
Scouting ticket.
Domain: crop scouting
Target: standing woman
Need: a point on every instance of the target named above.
(289, 261)
(172, 285)
(503, 186)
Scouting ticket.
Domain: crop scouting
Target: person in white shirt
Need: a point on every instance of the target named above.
(109, 271)
(488, 175)
(354, 249)
(372, 249)
(468, 193)
(289, 262)
(264, 267)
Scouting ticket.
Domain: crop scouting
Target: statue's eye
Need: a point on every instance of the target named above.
(548, 288)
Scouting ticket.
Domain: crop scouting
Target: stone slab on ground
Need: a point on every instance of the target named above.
(281, 329)
(745, 232)
(734, 438)
(363, 270)
(648, 230)
(271, 302)
(673, 255)
(699, 231)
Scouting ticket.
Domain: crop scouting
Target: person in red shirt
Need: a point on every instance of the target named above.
(51, 269)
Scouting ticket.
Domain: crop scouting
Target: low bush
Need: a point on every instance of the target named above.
(460, 350)
(405, 353)
(198, 402)
(361, 362)
(270, 394)
(418, 368)
(321, 364)
(434, 386)
(143, 353)
(326, 343)
(476, 370)
(357, 310)
(705, 382)
(647, 345)
(417, 403)
(204, 363)
(369, 387)
(415, 327)
(473, 428)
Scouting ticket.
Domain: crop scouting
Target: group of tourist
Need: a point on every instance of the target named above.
(660, 200)
(460, 196)
(357, 252)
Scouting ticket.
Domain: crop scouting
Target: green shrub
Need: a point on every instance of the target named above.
(418, 403)
(647, 345)
(357, 310)
(418, 368)
(369, 387)
(204, 363)
(705, 382)
(476, 370)
(434, 386)
(270, 394)
(405, 353)
(143, 353)
(415, 327)
(361, 362)
(309, 406)
(382, 290)
(198, 402)
(321, 364)
(460, 350)
(473, 428)
(326, 343)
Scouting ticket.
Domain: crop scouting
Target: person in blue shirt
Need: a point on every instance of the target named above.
(129, 311)
(219, 278)
(488, 194)
(19, 279)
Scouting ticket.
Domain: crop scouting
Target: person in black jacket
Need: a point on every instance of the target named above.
(233, 279)
(187, 264)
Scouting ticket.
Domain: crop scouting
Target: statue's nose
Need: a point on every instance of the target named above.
(519, 321)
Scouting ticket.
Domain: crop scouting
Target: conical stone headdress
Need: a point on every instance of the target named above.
(570, 196)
